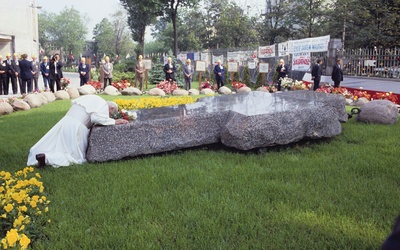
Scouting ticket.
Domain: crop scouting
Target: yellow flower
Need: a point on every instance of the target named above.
(35, 198)
(24, 241)
(3, 216)
(43, 198)
(2, 189)
(23, 208)
(8, 208)
(38, 175)
(46, 209)
(12, 237)
(33, 204)
(18, 221)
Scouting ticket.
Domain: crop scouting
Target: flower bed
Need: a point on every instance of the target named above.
(153, 102)
(22, 207)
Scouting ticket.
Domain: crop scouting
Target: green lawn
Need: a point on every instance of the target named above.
(341, 193)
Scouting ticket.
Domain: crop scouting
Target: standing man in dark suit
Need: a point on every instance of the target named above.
(55, 73)
(15, 71)
(45, 70)
(26, 74)
(316, 73)
(219, 74)
(9, 73)
(169, 70)
(3, 76)
(337, 73)
(188, 71)
(84, 70)
(35, 73)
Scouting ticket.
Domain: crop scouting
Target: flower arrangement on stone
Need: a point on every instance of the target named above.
(124, 114)
(299, 85)
(167, 86)
(357, 94)
(206, 85)
(324, 89)
(342, 91)
(24, 207)
(238, 85)
(286, 83)
(96, 85)
(65, 82)
(271, 88)
(121, 85)
(385, 96)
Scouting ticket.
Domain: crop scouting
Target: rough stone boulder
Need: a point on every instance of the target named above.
(361, 101)
(224, 91)
(50, 96)
(19, 104)
(61, 95)
(194, 92)
(111, 90)
(180, 92)
(207, 91)
(156, 92)
(33, 100)
(5, 108)
(131, 91)
(379, 112)
(244, 121)
(243, 90)
(43, 98)
(87, 90)
(263, 89)
(73, 93)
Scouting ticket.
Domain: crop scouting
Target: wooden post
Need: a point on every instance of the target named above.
(147, 78)
(200, 79)
(263, 79)
(232, 77)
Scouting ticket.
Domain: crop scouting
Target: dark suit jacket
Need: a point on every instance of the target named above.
(8, 64)
(84, 68)
(3, 67)
(14, 67)
(188, 72)
(283, 73)
(337, 74)
(52, 70)
(316, 72)
(26, 69)
(218, 69)
(169, 75)
(45, 69)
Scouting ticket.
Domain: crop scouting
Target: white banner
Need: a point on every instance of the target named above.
(234, 56)
(301, 61)
(216, 58)
(182, 57)
(315, 44)
(283, 49)
(196, 56)
(205, 57)
(266, 51)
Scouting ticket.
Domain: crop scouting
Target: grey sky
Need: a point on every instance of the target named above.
(98, 9)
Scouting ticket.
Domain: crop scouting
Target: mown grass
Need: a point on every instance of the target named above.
(340, 193)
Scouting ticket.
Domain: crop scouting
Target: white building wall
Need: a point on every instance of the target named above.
(19, 32)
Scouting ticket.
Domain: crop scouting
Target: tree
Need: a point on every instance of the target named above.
(171, 8)
(66, 30)
(140, 15)
(103, 36)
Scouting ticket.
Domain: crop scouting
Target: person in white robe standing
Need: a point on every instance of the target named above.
(66, 142)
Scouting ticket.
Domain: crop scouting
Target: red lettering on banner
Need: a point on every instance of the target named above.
(266, 51)
(301, 61)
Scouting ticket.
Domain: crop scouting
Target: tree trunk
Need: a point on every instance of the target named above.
(173, 16)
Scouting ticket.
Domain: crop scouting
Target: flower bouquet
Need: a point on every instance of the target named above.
(123, 84)
(357, 94)
(342, 91)
(324, 89)
(96, 85)
(206, 85)
(286, 83)
(271, 88)
(299, 85)
(65, 82)
(124, 114)
(238, 85)
(167, 86)
(385, 96)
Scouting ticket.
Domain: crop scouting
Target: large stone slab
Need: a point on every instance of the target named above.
(243, 121)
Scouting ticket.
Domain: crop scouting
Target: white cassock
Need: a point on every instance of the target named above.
(67, 141)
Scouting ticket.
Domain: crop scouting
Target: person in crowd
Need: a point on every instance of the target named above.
(169, 70)
(219, 72)
(66, 142)
(55, 72)
(9, 77)
(107, 71)
(140, 69)
(35, 73)
(44, 69)
(188, 71)
(337, 73)
(26, 74)
(3, 77)
(283, 71)
(84, 71)
(102, 72)
(15, 77)
(316, 73)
